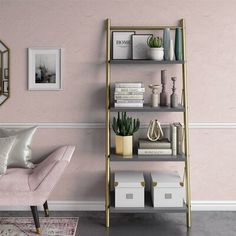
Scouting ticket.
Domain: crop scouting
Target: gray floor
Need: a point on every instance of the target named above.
(204, 224)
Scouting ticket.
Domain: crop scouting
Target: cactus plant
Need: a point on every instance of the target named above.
(124, 125)
(154, 42)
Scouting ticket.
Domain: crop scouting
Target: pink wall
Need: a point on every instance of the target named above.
(78, 27)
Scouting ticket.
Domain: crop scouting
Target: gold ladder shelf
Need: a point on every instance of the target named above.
(109, 155)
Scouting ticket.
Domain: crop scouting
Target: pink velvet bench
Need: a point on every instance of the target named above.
(32, 187)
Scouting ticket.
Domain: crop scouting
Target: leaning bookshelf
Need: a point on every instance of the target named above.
(110, 155)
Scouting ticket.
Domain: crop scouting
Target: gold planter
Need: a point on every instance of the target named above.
(124, 146)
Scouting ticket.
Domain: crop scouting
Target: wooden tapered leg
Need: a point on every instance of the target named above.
(45, 207)
(35, 214)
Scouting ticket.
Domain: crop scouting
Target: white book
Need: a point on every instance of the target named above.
(128, 104)
(130, 90)
(128, 85)
(137, 97)
(174, 139)
(142, 151)
(129, 101)
(128, 93)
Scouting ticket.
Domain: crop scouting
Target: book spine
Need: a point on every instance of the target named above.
(155, 151)
(120, 97)
(146, 145)
(128, 85)
(174, 139)
(128, 93)
(130, 90)
(179, 139)
(129, 101)
(128, 104)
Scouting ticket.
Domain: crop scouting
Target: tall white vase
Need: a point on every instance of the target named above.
(172, 51)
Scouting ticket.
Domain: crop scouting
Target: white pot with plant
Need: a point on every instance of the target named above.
(124, 128)
(156, 50)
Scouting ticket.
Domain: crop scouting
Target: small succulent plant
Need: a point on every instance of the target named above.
(125, 125)
(154, 42)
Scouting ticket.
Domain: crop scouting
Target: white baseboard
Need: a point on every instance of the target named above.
(99, 206)
(101, 125)
(214, 205)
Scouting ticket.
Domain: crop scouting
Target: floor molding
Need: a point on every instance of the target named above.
(82, 125)
(99, 206)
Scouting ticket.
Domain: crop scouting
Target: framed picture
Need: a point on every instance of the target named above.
(44, 68)
(5, 86)
(121, 45)
(6, 73)
(140, 46)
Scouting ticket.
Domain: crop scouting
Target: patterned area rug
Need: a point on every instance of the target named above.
(51, 226)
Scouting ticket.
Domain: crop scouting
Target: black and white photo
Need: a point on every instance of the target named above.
(44, 69)
(121, 45)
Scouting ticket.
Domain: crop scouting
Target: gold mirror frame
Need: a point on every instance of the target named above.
(4, 72)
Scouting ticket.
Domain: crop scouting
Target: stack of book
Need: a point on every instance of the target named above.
(129, 94)
(172, 145)
(147, 147)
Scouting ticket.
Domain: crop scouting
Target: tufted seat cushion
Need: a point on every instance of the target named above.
(33, 186)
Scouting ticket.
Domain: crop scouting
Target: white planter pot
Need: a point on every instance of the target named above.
(156, 53)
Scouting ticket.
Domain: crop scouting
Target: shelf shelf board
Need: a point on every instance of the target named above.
(148, 108)
(148, 208)
(146, 61)
(136, 157)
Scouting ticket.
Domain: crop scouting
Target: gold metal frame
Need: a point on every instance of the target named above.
(8, 61)
(109, 28)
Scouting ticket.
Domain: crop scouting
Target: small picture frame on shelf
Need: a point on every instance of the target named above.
(6, 73)
(121, 45)
(5, 86)
(44, 69)
(140, 46)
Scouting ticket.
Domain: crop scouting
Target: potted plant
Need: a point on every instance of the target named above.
(124, 128)
(156, 50)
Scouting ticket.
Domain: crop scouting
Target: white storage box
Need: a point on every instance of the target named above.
(129, 189)
(166, 189)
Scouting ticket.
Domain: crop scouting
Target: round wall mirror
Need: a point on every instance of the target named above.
(4, 72)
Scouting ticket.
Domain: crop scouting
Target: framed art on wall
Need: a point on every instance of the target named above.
(140, 46)
(44, 68)
(121, 45)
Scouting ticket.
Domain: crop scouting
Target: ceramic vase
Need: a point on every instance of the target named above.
(178, 44)
(155, 99)
(166, 43)
(172, 51)
(156, 53)
(163, 94)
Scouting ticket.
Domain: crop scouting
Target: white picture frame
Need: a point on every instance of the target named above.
(140, 46)
(121, 45)
(44, 68)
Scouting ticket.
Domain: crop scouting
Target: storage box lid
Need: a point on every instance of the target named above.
(129, 179)
(165, 179)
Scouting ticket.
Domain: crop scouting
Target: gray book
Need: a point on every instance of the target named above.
(147, 144)
(179, 138)
(174, 139)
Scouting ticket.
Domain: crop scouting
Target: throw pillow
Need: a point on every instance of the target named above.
(6, 145)
(20, 154)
